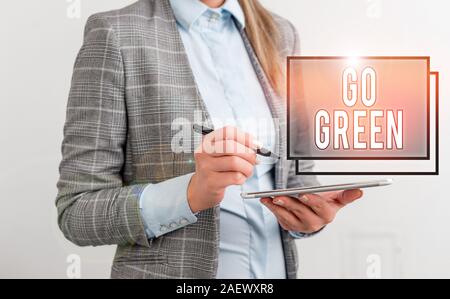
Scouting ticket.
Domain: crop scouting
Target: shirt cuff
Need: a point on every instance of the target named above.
(165, 207)
(298, 235)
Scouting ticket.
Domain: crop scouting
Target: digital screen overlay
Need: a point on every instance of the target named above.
(363, 109)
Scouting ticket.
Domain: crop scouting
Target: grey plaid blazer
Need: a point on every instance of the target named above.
(131, 80)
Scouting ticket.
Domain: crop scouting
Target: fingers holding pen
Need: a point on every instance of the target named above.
(229, 141)
(233, 134)
(230, 164)
(226, 157)
(231, 148)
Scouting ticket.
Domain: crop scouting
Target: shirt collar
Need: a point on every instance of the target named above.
(188, 11)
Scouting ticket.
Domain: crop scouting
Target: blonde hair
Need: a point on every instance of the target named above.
(264, 37)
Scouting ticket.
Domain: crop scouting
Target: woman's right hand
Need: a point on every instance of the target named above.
(225, 158)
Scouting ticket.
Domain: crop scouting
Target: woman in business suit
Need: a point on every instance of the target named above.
(143, 76)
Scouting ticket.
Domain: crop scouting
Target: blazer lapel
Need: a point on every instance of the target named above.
(277, 107)
(183, 64)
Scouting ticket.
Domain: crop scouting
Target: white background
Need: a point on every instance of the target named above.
(404, 229)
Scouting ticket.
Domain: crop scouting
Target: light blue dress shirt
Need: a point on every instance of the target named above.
(250, 239)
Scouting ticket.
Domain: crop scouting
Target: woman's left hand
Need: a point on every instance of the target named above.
(310, 213)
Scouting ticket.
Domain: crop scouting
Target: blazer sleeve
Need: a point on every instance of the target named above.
(94, 206)
(306, 166)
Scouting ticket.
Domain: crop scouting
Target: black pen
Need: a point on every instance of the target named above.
(260, 150)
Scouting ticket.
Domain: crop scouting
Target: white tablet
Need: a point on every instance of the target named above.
(317, 189)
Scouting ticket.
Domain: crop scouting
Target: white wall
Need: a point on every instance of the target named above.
(406, 227)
